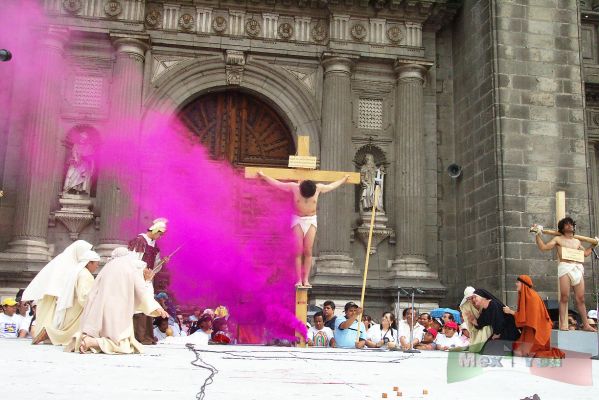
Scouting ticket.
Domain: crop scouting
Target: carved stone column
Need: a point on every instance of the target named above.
(40, 145)
(410, 191)
(334, 227)
(115, 185)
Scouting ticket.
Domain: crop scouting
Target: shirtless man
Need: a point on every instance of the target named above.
(570, 273)
(305, 197)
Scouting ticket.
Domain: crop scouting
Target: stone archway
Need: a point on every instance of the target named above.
(239, 127)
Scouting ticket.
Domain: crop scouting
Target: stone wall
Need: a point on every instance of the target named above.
(477, 203)
(542, 129)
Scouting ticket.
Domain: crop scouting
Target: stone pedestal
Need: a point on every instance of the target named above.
(116, 185)
(334, 228)
(75, 213)
(380, 231)
(40, 146)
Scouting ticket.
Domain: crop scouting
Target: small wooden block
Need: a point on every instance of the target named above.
(424, 391)
(395, 388)
(384, 395)
(399, 394)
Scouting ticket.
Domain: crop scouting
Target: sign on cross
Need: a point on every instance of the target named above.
(302, 167)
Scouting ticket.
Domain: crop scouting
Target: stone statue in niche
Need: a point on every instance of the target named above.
(80, 167)
(368, 173)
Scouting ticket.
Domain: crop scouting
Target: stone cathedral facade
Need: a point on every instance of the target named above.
(476, 113)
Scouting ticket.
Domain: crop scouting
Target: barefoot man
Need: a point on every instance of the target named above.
(305, 197)
(569, 272)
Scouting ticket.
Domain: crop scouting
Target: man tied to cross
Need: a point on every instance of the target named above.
(570, 271)
(304, 224)
(305, 194)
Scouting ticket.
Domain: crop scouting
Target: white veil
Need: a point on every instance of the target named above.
(51, 278)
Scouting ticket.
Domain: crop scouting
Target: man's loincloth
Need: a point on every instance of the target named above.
(574, 271)
(304, 222)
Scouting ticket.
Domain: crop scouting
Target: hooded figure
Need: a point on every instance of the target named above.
(491, 314)
(478, 337)
(51, 283)
(532, 317)
(69, 306)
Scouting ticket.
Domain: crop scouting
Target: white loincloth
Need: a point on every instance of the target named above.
(304, 222)
(574, 271)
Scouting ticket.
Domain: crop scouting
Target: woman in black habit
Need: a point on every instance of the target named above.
(491, 314)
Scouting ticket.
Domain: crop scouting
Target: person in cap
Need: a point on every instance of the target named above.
(106, 322)
(70, 306)
(346, 328)
(477, 337)
(428, 340)
(569, 271)
(11, 324)
(534, 321)
(449, 338)
(592, 317)
(55, 280)
(145, 248)
(491, 314)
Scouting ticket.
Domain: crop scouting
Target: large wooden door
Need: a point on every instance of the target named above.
(240, 128)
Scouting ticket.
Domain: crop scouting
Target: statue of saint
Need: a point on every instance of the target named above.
(80, 167)
(368, 173)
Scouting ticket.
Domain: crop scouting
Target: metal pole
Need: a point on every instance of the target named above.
(412, 349)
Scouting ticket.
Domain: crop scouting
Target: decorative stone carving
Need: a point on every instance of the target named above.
(319, 32)
(305, 77)
(186, 22)
(219, 24)
(394, 34)
(72, 6)
(113, 8)
(153, 17)
(161, 64)
(80, 166)
(74, 213)
(358, 31)
(285, 31)
(368, 174)
(235, 62)
(371, 161)
(370, 113)
(252, 27)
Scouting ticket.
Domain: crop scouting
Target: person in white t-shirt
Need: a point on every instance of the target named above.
(319, 335)
(383, 335)
(408, 327)
(449, 338)
(11, 324)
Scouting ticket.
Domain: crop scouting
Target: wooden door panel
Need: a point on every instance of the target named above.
(240, 128)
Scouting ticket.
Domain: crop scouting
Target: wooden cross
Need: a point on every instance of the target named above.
(302, 167)
(560, 213)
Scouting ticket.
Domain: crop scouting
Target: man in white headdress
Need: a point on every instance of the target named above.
(106, 322)
(144, 246)
(69, 306)
(49, 284)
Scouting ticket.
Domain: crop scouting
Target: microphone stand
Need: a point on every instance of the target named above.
(412, 349)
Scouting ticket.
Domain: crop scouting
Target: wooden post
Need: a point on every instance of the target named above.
(560, 213)
(377, 190)
(301, 310)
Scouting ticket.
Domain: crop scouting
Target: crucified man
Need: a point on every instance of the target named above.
(305, 198)
(570, 273)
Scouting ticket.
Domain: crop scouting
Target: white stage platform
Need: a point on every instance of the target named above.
(580, 341)
(264, 373)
